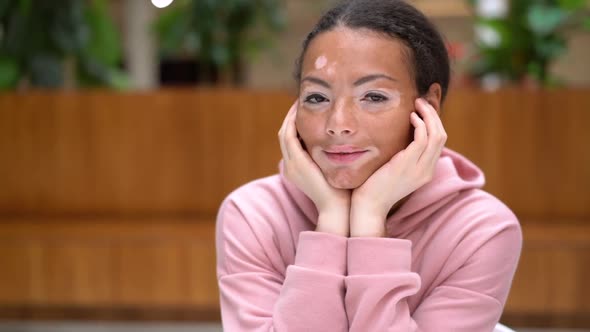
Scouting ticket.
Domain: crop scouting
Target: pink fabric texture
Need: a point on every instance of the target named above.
(447, 263)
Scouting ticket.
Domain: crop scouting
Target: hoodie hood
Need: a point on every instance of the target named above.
(453, 174)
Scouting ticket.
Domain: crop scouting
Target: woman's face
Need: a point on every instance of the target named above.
(355, 100)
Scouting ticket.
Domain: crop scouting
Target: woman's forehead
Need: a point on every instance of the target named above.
(337, 55)
(352, 50)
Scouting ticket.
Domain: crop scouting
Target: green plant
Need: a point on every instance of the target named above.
(527, 39)
(42, 42)
(219, 33)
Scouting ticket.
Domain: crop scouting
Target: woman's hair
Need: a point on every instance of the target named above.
(396, 19)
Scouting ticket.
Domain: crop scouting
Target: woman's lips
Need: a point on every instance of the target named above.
(344, 158)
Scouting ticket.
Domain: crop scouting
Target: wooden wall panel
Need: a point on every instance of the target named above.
(77, 273)
(108, 200)
(531, 145)
(183, 151)
(553, 271)
(202, 288)
(168, 152)
(150, 273)
(20, 263)
(170, 263)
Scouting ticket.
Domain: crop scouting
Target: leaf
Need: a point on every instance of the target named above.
(571, 5)
(192, 42)
(586, 23)
(172, 27)
(9, 72)
(220, 55)
(104, 42)
(549, 49)
(543, 20)
(46, 70)
(16, 27)
(92, 72)
(25, 6)
(119, 80)
(68, 29)
(535, 70)
(5, 7)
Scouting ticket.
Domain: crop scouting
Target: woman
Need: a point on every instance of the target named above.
(371, 225)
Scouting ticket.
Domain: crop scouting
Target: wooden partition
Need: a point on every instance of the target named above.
(108, 201)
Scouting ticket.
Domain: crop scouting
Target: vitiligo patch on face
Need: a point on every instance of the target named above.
(396, 98)
(321, 62)
(331, 69)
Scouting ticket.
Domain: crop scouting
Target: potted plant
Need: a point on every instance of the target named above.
(51, 44)
(518, 40)
(218, 35)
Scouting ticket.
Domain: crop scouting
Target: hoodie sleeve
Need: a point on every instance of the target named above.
(256, 296)
(471, 299)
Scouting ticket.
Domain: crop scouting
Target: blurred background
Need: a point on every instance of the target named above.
(124, 125)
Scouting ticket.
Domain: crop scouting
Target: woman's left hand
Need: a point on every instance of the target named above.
(405, 172)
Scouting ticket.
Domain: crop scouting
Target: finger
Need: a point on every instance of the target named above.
(435, 132)
(416, 148)
(281, 136)
(282, 132)
(292, 144)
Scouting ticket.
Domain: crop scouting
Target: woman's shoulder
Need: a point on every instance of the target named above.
(251, 228)
(478, 213)
(266, 190)
(263, 203)
(484, 204)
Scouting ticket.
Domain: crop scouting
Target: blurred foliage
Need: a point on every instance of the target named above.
(40, 39)
(531, 36)
(219, 33)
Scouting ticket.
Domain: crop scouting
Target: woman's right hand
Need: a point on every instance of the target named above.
(333, 204)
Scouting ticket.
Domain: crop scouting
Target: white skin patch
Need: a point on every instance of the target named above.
(321, 62)
(331, 69)
(396, 98)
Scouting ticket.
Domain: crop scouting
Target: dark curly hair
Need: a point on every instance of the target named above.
(399, 20)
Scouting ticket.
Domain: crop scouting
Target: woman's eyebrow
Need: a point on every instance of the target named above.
(373, 77)
(316, 80)
(358, 82)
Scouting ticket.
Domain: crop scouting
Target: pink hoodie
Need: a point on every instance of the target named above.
(447, 264)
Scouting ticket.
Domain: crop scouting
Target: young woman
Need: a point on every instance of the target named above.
(371, 225)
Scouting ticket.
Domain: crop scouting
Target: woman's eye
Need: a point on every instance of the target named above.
(375, 97)
(315, 99)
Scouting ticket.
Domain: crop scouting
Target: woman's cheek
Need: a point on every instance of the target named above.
(304, 125)
(391, 135)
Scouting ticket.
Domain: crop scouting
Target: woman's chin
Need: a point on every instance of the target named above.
(344, 182)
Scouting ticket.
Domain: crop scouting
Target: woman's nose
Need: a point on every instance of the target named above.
(341, 121)
(339, 132)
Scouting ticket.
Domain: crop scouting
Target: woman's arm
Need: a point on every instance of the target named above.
(380, 281)
(257, 296)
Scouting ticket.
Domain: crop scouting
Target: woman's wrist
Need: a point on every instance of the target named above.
(366, 221)
(334, 221)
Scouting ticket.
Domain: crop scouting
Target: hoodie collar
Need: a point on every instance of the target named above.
(453, 174)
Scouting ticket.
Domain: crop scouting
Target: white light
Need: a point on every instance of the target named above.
(491, 82)
(492, 8)
(162, 3)
(488, 36)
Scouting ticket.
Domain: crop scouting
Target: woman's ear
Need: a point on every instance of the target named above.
(433, 96)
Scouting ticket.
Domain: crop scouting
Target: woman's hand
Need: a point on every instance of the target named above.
(333, 204)
(405, 172)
